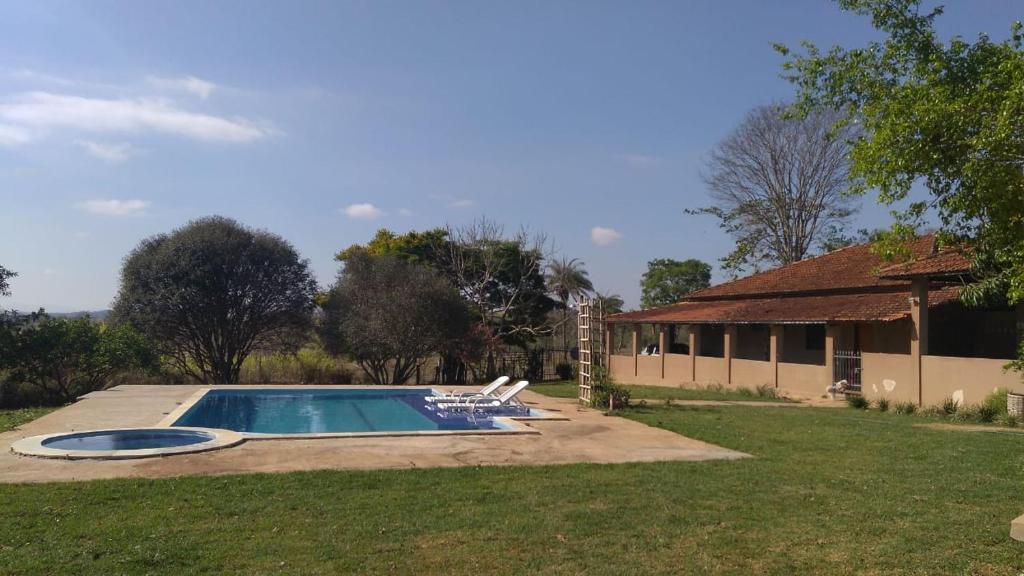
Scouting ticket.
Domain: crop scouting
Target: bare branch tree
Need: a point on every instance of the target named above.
(502, 278)
(779, 185)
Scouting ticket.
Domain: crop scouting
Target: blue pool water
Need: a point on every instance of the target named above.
(306, 411)
(127, 439)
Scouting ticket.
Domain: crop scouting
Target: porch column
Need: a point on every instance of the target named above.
(830, 345)
(728, 350)
(775, 351)
(919, 331)
(609, 339)
(694, 346)
(661, 347)
(636, 351)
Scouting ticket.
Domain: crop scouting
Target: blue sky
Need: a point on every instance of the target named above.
(324, 121)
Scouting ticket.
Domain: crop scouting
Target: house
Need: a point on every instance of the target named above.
(895, 331)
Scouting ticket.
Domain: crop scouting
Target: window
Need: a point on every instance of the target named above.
(814, 337)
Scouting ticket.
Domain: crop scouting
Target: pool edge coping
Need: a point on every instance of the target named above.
(32, 446)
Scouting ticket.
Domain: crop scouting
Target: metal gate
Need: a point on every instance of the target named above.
(846, 366)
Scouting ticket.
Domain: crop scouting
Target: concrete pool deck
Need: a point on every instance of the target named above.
(586, 436)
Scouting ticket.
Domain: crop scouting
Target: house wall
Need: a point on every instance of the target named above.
(752, 341)
(648, 369)
(710, 370)
(751, 373)
(678, 370)
(966, 379)
(621, 369)
(808, 380)
(794, 347)
(888, 375)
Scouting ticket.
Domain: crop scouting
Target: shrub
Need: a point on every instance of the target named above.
(859, 402)
(564, 371)
(987, 413)
(949, 406)
(603, 395)
(767, 391)
(996, 401)
(905, 408)
(744, 391)
(882, 404)
(965, 414)
(1008, 420)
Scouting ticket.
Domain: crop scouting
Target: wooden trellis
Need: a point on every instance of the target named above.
(589, 331)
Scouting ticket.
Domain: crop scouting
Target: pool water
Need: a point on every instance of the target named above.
(127, 439)
(312, 411)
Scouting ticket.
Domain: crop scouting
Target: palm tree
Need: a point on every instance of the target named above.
(566, 278)
(609, 303)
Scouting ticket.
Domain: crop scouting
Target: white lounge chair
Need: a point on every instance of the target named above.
(489, 403)
(459, 397)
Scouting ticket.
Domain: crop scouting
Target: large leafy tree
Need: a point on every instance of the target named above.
(567, 278)
(666, 280)
(390, 315)
(609, 303)
(943, 132)
(777, 185)
(211, 292)
(64, 358)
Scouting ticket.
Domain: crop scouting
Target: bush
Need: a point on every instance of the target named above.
(859, 402)
(996, 401)
(1008, 420)
(882, 404)
(987, 413)
(747, 392)
(905, 408)
(949, 406)
(564, 371)
(767, 391)
(602, 396)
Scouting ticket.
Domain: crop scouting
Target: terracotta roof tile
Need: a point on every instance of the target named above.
(854, 267)
(948, 262)
(864, 307)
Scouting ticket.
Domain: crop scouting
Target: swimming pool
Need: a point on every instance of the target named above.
(323, 411)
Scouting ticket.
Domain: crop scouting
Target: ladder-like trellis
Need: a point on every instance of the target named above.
(589, 331)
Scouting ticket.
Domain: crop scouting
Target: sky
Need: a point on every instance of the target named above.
(325, 121)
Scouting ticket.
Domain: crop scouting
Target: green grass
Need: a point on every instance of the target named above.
(830, 491)
(568, 389)
(10, 419)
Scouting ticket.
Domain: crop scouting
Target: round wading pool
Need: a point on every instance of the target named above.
(120, 443)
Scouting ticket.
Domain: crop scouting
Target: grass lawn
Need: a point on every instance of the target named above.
(10, 419)
(831, 491)
(568, 389)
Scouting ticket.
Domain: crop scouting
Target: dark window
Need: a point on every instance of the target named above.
(814, 336)
(711, 340)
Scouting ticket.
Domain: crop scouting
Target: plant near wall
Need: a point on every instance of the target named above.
(859, 402)
(905, 408)
(882, 404)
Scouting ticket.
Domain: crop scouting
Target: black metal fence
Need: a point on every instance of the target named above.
(846, 366)
(535, 365)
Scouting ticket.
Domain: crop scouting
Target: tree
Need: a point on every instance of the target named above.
(5, 276)
(65, 358)
(609, 303)
(211, 292)
(667, 281)
(567, 278)
(945, 114)
(390, 315)
(778, 185)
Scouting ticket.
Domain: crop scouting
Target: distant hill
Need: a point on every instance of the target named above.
(100, 315)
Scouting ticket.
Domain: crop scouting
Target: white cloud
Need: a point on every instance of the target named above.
(638, 159)
(190, 84)
(13, 135)
(133, 207)
(604, 236)
(29, 75)
(364, 211)
(463, 203)
(49, 272)
(48, 110)
(405, 212)
(115, 153)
